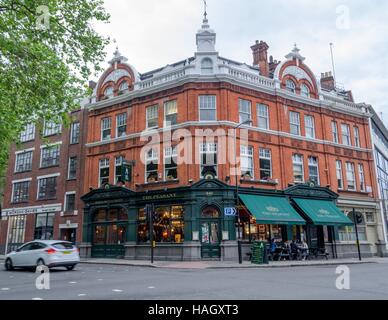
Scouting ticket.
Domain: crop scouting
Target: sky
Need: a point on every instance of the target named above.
(154, 33)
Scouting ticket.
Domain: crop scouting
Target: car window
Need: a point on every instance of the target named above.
(27, 247)
(39, 246)
(63, 245)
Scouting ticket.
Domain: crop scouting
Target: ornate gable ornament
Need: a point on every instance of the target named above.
(307, 191)
(209, 184)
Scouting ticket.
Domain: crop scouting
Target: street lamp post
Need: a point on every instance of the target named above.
(240, 260)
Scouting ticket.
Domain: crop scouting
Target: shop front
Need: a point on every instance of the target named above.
(188, 223)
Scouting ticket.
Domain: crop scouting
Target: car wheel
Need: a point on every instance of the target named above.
(8, 265)
(69, 268)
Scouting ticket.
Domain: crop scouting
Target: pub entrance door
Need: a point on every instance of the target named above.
(210, 234)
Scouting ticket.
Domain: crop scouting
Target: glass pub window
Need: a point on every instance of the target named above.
(168, 225)
(207, 108)
(265, 164)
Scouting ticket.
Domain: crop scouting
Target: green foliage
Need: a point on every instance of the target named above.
(44, 67)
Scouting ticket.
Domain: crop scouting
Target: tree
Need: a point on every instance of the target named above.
(48, 50)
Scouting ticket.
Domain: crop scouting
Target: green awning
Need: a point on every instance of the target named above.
(271, 210)
(323, 213)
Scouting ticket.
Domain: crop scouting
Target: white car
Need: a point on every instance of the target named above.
(49, 253)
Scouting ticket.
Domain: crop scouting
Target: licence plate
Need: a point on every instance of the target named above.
(67, 252)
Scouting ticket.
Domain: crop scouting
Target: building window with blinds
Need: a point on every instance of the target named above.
(170, 113)
(106, 126)
(309, 127)
(152, 116)
(121, 125)
(295, 123)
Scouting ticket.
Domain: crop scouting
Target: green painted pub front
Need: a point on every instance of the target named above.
(190, 222)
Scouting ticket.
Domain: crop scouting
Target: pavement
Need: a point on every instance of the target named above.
(227, 264)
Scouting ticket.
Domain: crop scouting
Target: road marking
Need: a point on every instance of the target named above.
(72, 282)
(151, 287)
(82, 295)
(37, 299)
(117, 290)
(4, 289)
(100, 279)
(11, 277)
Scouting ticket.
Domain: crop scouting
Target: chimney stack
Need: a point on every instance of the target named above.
(327, 81)
(260, 57)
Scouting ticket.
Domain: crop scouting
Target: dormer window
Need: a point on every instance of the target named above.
(108, 93)
(290, 86)
(124, 87)
(207, 66)
(305, 91)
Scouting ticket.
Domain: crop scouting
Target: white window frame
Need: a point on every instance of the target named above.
(339, 173)
(290, 86)
(170, 152)
(297, 160)
(167, 104)
(314, 164)
(106, 124)
(207, 148)
(305, 91)
(207, 103)
(309, 126)
(265, 154)
(20, 153)
(72, 132)
(334, 129)
(262, 113)
(241, 105)
(28, 134)
(295, 122)
(68, 168)
(361, 175)
(151, 111)
(69, 193)
(357, 142)
(246, 153)
(350, 170)
(121, 123)
(103, 164)
(345, 134)
(151, 158)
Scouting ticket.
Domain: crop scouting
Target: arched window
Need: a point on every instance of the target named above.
(108, 92)
(305, 91)
(210, 212)
(290, 86)
(124, 87)
(207, 66)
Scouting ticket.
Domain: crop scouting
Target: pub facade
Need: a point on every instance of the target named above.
(292, 151)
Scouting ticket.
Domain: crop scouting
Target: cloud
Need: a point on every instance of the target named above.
(153, 33)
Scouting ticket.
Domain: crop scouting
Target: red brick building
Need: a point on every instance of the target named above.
(44, 183)
(304, 133)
